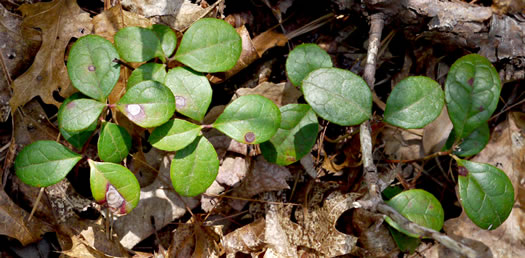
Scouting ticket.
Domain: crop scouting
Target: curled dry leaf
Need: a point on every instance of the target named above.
(193, 239)
(316, 231)
(436, 133)
(157, 200)
(263, 177)
(280, 93)
(59, 20)
(505, 150)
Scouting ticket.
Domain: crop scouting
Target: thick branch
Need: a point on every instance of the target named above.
(425, 232)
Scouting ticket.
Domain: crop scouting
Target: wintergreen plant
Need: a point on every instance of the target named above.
(152, 97)
(471, 95)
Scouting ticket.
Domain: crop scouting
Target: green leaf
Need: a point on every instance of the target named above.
(77, 139)
(44, 163)
(404, 242)
(295, 137)
(147, 71)
(338, 96)
(136, 44)
(114, 143)
(473, 144)
(472, 91)
(418, 206)
(210, 45)
(415, 102)
(168, 39)
(91, 68)
(485, 192)
(194, 168)
(192, 92)
(148, 104)
(303, 59)
(250, 119)
(174, 135)
(114, 186)
(80, 114)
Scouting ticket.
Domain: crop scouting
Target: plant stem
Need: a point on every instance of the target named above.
(426, 232)
(120, 62)
(433, 155)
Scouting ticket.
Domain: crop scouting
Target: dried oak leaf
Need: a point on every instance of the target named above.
(59, 20)
(107, 23)
(316, 231)
(280, 93)
(505, 150)
(247, 239)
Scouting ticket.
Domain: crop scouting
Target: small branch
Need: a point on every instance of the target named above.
(369, 169)
(425, 232)
(433, 155)
(120, 62)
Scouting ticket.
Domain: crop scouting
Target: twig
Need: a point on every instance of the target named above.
(426, 232)
(369, 168)
(36, 203)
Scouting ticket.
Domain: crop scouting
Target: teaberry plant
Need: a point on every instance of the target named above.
(285, 135)
(472, 90)
(151, 99)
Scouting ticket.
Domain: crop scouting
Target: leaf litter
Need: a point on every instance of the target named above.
(277, 229)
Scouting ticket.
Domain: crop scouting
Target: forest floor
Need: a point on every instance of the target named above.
(256, 208)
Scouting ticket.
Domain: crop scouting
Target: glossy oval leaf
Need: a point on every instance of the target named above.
(136, 44)
(148, 104)
(44, 163)
(303, 59)
(250, 119)
(296, 135)
(192, 92)
(114, 143)
(210, 45)
(168, 39)
(194, 168)
(91, 68)
(174, 135)
(77, 139)
(415, 102)
(80, 114)
(418, 206)
(338, 96)
(485, 192)
(472, 91)
(114, 186)
(473, 144)
(147, 71)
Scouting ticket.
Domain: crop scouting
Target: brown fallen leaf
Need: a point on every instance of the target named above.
(17, 53)
(247, 239)
(59, 20)
(232, 171)
(280, 93)
(436, 133)
(263, 177)
(505, 150)
(107, 23)
(316, 231)
(13, 222)
(403, 144)
(157, 200)
(193, 239)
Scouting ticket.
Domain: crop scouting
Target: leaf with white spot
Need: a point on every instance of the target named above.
(148, 104)
(114, 186)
